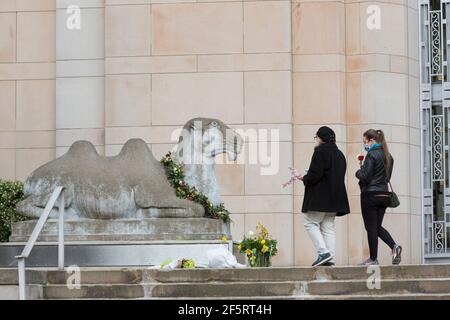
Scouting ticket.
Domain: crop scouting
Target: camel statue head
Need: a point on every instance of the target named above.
(201, 140)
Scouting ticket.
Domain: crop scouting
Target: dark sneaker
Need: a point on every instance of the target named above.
(369, 262)
(323, 258)
(397, 254)
(329, 264)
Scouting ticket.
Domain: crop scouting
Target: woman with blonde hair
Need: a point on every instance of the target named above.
(374, 176)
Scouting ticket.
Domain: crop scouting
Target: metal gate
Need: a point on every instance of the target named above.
(435, 123)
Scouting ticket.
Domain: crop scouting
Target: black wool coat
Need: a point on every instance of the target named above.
(324, 183)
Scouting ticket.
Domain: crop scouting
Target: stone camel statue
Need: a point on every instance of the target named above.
(131, 185)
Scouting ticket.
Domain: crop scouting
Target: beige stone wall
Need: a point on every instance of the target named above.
(27, 86)
(80, 76)
(353, 78)
(142, 68)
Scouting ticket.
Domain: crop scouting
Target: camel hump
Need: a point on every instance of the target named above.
(83, 149)
(135, 149)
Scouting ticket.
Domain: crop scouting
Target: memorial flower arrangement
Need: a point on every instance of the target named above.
(259, 248)
(175, 175)
(177, 264)
(187, 264)
(11, 192)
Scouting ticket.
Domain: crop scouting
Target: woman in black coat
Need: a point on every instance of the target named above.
(374, 176)
(325, 195)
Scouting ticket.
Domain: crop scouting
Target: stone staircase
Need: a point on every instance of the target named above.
(397, 282)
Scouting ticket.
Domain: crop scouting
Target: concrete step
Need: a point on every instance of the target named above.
(386, 272)
(11, 292)
(132, 275)
(251, 289)
(11, 277)
(417, 296)
(111, 291)
(397, 282)
(210, 290)
(46, 276)
(299, 273)
(306, 297)
(112, 276)
(390, 286)
(234, 289)
(335, 287)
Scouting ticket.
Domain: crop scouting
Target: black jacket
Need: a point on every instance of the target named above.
(372, 175)
(325, 181)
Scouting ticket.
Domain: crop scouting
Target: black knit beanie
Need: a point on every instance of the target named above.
(326, 134)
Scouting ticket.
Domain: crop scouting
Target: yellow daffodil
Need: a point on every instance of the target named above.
(248, 251)
(264, 249)
(253, 258)
(263, 241)
(224, 239)
(239, 247)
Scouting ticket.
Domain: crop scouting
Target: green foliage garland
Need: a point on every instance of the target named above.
(175, 175)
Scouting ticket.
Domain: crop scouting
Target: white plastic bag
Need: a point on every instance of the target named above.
(166, 265)
(222, 258)
(173, 265)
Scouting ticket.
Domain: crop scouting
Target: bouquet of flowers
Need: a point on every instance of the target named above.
(259, 248)
(295, 175)
(177, 264)
(187, 264)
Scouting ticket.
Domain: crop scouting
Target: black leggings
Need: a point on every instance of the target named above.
(373, 207)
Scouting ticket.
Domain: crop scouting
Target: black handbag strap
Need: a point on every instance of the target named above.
(387, 175)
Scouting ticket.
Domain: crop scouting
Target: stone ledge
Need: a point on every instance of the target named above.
(110, 253)
(126, 230)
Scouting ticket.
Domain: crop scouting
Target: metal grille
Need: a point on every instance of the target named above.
(435, 124)
(435, 47)
(438, 148)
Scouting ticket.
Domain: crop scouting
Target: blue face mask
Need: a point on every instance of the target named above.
(366, 146)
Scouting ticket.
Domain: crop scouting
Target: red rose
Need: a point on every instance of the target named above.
(360, 157)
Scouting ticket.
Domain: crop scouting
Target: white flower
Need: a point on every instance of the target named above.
(251, 233)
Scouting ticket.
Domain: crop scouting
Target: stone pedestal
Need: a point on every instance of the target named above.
(111, 253)
(126, 230)
(130, 242)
